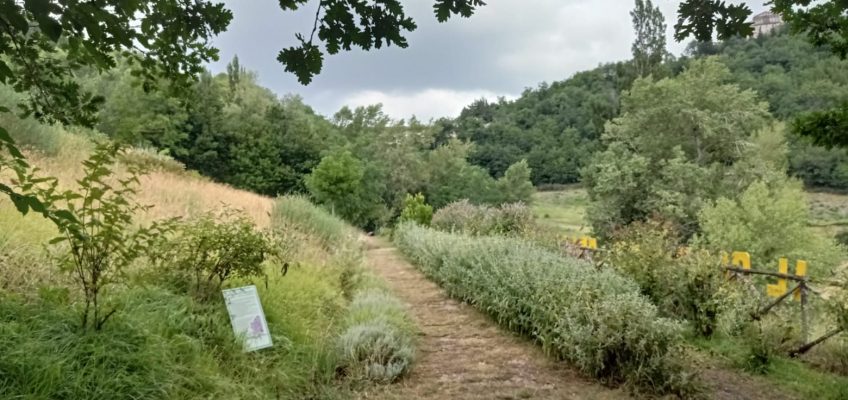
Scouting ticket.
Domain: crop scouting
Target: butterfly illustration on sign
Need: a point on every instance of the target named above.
(256, 328)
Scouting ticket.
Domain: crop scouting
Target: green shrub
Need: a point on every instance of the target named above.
(150, 159)
(377, 344)
(683, 283)
(738, 301)
(345, 185)
(515, 186)
(659, 159)
(593, 318)
(464, 217)
(762, 339)
(415, 209)
(769, 221)
(818, 166)
(96, 224)
(452, 178)
(210, 249)
(841, 237)
(766, 339)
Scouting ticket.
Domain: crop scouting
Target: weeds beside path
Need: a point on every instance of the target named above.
(464, 355)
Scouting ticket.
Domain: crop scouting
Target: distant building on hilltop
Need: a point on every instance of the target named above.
(766, 22)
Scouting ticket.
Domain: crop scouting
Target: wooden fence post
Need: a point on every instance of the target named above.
(805, 327)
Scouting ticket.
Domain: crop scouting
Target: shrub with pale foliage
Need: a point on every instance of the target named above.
(464, 217)
(377, 344)
(596, 319)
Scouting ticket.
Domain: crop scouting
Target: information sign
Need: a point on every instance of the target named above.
(247, 317)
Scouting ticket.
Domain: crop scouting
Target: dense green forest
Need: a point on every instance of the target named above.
(362, 163)
(237, 132)
(557, 126)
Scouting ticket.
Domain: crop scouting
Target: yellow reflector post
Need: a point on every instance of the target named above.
(779, 289)
(741, 259)
(800, 270)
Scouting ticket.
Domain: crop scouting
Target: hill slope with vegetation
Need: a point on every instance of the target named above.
(168, 334)
(231, 129)
(361, 162)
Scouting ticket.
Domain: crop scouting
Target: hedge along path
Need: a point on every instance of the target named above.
(462, 354)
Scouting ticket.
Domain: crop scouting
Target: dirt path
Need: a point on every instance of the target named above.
(463, 355)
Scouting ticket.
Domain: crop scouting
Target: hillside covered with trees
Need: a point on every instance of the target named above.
(232, 125)
(556, 126)
(362, 163)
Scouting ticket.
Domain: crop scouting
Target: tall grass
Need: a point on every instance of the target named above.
(297, 212)
(375, 342)
(165, 344)
(24, 266)
(44, 355)
(595, 319)
(168, 346)
(305, 309)
(162, 343)
(172, 192)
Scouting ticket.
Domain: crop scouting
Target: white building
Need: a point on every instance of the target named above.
(766, 22)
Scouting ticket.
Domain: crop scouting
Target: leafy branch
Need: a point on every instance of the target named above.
(27, 190)
(366, 24)
(825, 23)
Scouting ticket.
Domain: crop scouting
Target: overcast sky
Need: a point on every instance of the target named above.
(507, 46)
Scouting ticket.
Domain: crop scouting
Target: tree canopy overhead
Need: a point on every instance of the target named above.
(42, 43)
(344, 24)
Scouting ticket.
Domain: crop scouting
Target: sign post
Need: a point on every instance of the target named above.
(247, 317)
